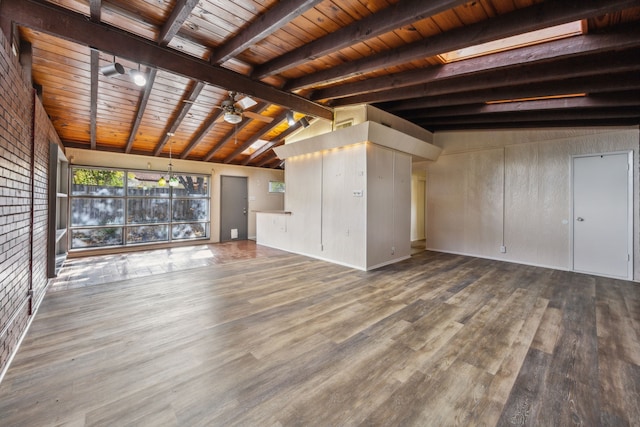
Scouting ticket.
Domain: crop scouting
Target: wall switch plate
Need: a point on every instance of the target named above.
(503, 249)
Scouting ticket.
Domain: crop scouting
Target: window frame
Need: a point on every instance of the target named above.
(166, 193)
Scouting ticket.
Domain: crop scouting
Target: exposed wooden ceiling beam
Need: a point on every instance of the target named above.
(409, 97)
(95, 6)
(233, 132)
(60, 22)
(93, 107)
(601, 101)
(567, 49)
(514, 124)
(535, 116)
(393, 17)
(260, 151)
(206, 127)
(532, 18)
(283, 12)
(182, 113)
(275, 142)
(179, 14)
(142, 105)
(26, 60)
(568, 68)
(593, 84)
(275, 123)
(268, 158)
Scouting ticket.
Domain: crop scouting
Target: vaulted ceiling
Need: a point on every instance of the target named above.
(309, 56)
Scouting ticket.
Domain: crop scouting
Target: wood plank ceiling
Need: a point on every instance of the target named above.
(309, 56)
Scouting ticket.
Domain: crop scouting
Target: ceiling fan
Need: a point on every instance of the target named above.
(233, 110)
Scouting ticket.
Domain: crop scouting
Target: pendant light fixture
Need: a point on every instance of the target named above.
(173, 180)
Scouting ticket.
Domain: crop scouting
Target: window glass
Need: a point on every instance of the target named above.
(276, 187)
(111, 207)
(188, 231)
(96, 211)
(191, 186)
(145, 211)
(96, 237)
(147, 233)
(145, 184)
(190, 210)
(97, 182)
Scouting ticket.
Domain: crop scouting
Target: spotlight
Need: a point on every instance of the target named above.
(304, 122)
(290, 118)
(138, 78)
(112, 69)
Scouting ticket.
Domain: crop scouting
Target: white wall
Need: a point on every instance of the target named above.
(512, 187)
(388, 206)
(349, 205)
(258, 180)
(418, 205)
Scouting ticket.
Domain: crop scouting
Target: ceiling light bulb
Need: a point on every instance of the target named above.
(290, 119)
(232, 118)
(138, 78)
(173, 181)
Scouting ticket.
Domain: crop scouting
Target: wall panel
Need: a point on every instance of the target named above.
(344, 218)
(380, 185)
(465, 187)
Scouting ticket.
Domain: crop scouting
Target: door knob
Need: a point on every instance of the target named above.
(580, 219)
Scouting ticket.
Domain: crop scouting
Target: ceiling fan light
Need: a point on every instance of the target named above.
(232, 118)
(112, 69)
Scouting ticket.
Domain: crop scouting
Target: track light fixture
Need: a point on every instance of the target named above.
(290, 119)
(138, 77)
(304, 122)
(112, 69)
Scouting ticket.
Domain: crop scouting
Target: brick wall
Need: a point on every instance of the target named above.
(21, 193)
(44, 134)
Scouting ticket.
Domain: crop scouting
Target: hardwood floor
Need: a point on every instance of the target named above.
(285, 340)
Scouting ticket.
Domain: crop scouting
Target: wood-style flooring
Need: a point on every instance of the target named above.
(283, 340)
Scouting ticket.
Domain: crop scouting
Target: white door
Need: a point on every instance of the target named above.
(602, 212)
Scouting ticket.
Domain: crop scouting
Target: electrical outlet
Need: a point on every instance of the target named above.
(503, 249)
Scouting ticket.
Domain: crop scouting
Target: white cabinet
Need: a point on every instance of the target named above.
(58, 209)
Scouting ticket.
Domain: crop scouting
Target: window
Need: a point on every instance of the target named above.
(527, 39)
(276, 187)
(118, 207)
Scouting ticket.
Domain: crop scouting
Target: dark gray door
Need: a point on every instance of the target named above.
(233, 208)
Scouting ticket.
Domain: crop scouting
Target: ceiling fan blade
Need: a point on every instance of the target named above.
(246, 102)
(257, 116)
